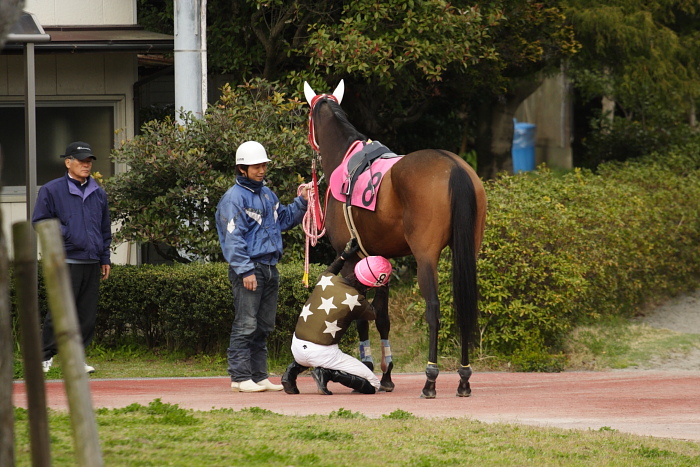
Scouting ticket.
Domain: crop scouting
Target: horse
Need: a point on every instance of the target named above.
(428, 200)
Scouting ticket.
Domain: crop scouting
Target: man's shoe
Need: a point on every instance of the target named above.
(269, 386)
(322, 376)
(88, 369)
(246, 386)
(46, 365)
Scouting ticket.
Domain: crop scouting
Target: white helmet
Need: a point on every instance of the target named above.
(251, 153)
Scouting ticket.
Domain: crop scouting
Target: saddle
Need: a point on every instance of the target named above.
(356, 181)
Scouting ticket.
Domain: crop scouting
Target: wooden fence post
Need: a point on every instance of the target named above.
(70, 344)
(26, 273)
(7, 416)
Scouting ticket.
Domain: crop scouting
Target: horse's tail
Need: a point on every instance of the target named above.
(464, 282)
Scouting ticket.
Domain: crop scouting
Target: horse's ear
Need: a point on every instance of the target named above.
(308, 92)
(339, 91)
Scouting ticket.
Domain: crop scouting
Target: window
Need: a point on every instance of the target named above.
(57, 126)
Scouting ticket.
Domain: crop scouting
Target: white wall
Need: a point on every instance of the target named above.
(82, 12)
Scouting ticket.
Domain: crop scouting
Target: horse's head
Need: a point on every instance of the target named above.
(312, 98)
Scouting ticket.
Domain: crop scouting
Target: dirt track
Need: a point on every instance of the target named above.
(652, 403)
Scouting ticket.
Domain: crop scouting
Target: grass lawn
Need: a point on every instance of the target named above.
(162, 434)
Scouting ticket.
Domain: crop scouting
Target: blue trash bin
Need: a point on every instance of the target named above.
(523, 147)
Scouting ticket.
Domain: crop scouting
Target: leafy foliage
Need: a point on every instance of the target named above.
(178, 173)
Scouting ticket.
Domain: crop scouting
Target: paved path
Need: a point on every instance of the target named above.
(652, 403)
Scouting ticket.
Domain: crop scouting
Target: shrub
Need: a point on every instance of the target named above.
(188, 306)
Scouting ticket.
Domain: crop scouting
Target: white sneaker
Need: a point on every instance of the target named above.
(88, 368)
(270, 386)
(46, 365)
(246, 386)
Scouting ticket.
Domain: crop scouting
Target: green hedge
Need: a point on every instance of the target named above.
(561, 250)
(188, 306)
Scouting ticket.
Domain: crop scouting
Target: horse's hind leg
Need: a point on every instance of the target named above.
(381, 306)
(427, 280)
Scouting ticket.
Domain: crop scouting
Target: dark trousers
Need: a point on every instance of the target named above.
(254, 320)
(85, 281)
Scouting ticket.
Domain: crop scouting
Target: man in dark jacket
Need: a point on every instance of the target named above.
(80, 205)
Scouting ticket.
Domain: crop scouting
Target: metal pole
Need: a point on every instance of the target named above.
(70, 344)
(190, 57)
(28, 310)
(30, 125)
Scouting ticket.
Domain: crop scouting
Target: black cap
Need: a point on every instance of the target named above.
(80, 150)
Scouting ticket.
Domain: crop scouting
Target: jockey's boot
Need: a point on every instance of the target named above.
(322, 376)
(289, 378)
(358, 383)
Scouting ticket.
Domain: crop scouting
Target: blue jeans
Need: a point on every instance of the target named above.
(254, 320)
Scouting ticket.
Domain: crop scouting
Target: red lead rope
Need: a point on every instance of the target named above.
(314, 220)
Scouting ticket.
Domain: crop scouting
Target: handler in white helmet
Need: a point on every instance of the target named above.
(250, 221)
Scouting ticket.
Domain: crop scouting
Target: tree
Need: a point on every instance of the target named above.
(424, 71)
(178, 173)
(642, 60)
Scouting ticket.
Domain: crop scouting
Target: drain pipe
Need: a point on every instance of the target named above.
(190, 57)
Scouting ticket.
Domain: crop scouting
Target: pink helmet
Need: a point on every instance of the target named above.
(373, 271)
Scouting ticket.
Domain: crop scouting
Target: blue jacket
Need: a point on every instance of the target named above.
(84, 217)
(250, 221)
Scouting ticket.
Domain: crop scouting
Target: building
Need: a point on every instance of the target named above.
(86, 80)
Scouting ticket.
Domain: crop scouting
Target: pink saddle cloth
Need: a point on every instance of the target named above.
(364, 194)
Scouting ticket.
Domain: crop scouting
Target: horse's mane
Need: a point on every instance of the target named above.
(353, 133)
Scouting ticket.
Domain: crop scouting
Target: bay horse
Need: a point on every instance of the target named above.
(428, 200)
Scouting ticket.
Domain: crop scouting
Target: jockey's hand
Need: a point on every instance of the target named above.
(350, 249)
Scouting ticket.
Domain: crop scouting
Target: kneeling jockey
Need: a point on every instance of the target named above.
(333, 305)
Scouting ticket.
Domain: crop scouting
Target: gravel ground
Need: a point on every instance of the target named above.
(681, 314)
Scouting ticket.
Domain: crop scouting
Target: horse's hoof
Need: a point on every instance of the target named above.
(386, 386)
(369, 365)
(428, 390)
(464, 392)
(386, 383)
(464, 389)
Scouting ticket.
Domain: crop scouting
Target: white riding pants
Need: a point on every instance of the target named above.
(331, 357)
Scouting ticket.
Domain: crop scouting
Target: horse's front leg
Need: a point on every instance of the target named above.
(427, 280)
(365, 348)
(381, 306)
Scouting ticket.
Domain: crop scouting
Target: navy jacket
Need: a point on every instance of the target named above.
(84, 217)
